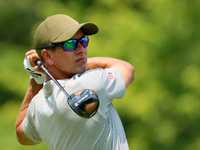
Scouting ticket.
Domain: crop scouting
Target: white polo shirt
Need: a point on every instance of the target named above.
(51, 120)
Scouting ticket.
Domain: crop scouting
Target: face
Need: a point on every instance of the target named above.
(65, 64)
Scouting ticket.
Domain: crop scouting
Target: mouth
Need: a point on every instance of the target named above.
(82, 59)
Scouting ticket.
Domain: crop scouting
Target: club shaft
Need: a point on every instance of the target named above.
(40, 64)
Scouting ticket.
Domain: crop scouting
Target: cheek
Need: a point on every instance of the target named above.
(86, 53)
(63, 61)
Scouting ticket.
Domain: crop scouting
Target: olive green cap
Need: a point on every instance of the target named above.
(59, 28)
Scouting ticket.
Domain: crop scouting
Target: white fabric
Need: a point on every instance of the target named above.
(39, 77)
(51, 120)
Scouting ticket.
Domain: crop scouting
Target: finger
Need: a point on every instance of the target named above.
(35, 57)
(30, 53)
(37, 68)
(32, 58)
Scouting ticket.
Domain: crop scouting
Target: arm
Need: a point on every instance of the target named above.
(33, 89)
(126, 69)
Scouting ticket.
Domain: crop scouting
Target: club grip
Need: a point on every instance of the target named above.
(39, 63)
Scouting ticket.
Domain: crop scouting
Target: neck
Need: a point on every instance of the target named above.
(57, 77)
(57, 74)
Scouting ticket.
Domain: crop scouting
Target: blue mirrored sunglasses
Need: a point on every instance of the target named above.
(69, 45)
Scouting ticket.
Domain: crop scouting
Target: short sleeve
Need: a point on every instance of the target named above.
(29, 127)
(114, 83)
(109, 81)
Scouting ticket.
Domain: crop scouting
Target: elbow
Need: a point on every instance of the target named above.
(23, 141)
(17, 133)
(132, 71)
(127, 72)
(20, 141)
(21, 137)
(18, 136)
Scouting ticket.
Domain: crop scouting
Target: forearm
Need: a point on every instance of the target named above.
(32, 90)
(126, 69)
(103, 62)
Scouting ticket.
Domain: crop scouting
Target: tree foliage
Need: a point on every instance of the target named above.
(160, 109)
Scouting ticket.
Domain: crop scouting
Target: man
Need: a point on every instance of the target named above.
(45, 116)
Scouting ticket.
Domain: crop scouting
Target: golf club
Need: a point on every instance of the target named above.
(84, 103)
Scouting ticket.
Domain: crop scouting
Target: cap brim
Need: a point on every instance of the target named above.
(87, 28)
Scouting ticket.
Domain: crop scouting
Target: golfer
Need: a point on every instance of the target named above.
(45, 116)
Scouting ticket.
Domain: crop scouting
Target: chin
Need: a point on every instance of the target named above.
(81, 70)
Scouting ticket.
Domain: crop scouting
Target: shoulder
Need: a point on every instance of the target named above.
(99, 72)
(103, 77)
(92, 74)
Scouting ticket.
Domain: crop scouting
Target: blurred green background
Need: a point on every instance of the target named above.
(160, 38)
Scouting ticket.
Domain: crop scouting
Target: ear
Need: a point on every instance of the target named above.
(46, 54)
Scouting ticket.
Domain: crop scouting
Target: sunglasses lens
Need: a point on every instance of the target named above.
(70, 45)
(84, 42)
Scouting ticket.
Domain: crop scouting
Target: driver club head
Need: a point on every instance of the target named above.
(85, 103)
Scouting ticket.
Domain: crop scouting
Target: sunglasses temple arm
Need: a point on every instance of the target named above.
(40, 64)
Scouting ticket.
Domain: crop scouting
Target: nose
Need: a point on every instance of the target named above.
(79, 45)
(80, 49)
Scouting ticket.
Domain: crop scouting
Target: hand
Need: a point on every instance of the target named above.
(31, 67)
